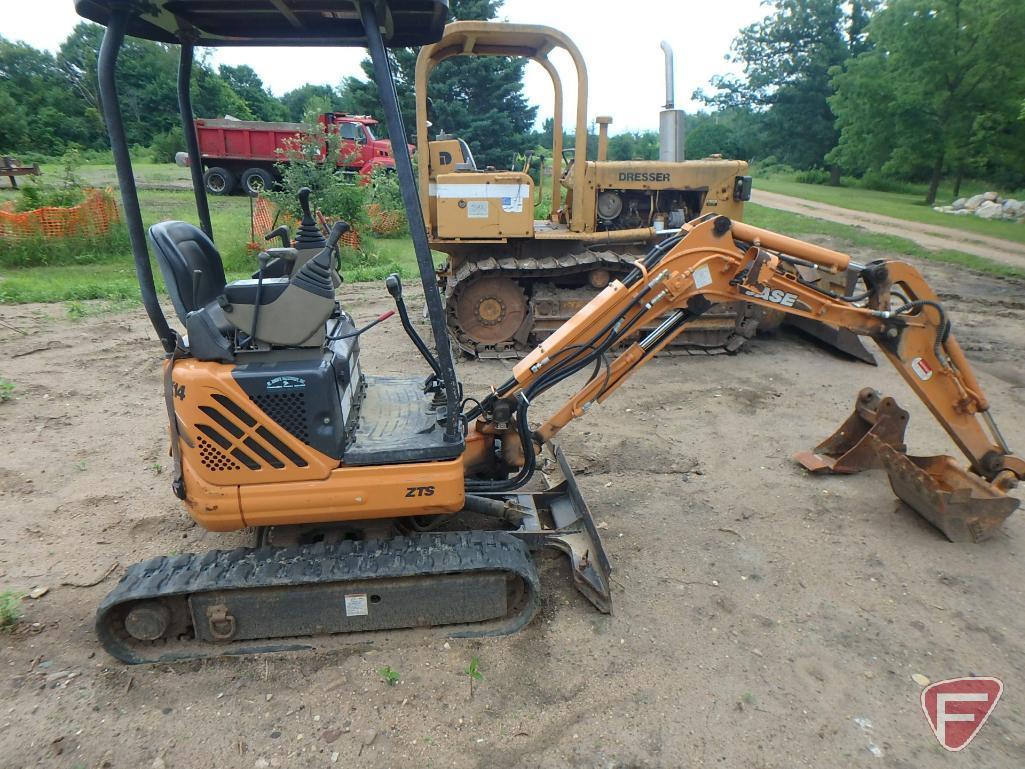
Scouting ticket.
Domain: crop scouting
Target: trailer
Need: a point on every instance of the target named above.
(240, 155)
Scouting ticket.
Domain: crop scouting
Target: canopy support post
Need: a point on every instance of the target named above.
(113, 37)
(417, 229)
(191, 139)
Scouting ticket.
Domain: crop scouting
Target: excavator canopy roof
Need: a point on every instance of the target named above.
(272, 22)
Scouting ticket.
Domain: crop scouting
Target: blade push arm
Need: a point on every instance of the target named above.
(715, 261)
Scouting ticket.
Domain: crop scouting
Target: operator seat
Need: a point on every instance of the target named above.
(183, 249)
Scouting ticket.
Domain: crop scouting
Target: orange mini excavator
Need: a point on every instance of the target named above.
(383, 503)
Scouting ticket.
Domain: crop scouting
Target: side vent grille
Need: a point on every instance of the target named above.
(233, 440)
(214, 459)
(286, 409)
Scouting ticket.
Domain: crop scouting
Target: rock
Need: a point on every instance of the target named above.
(990, 210)
(158, 763)
(991, 196)
(1015, 208)
(919, 679)
(334, 757)
(330, 735)
(368, 737)
(261, 763)
(958, 204)
(974, 202)
(38, 592)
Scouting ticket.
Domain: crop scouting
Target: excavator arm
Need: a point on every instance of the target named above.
(715, 260)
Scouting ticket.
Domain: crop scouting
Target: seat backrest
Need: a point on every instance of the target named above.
(182, 249)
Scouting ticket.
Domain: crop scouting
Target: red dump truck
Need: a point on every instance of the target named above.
(240, 154)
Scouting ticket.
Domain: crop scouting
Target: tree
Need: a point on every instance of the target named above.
(41, 111)
(308, 98)
(479, 98)
(732, 133)
(247, 85)
(787, 58)
(939, 88)
(641, 145)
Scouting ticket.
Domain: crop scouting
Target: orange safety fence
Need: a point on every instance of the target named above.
(92, 217)
(266, 217)
(384, 222)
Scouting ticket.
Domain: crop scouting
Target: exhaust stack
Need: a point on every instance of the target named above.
(670, 120)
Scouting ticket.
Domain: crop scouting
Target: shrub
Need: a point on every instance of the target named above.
(812, 176)
(876, 180)
(166, 145)
(10, 610)
(66, 191)
(338, 195)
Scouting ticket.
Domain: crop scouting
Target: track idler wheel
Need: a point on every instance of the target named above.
(490, 310)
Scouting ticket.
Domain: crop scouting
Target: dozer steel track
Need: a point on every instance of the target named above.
(724, 328)
(268, 599)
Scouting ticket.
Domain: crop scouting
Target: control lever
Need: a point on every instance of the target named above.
(263, 259)
(394, 285)
(280, 232)
(304, 204)
(337, 230)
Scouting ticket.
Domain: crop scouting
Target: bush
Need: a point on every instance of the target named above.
(10, 610)
(812, 176)
(338, 195)
(876, 180)
(772, 166)
(166, 145)
(41, 192)
(385, 194)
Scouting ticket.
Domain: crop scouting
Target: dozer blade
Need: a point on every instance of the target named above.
(958, 503)
(559, 518)
(840, 339)
(848, 450)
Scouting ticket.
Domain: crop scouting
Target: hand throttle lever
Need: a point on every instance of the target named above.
(280, 232)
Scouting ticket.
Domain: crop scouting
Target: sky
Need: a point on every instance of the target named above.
(619, 42)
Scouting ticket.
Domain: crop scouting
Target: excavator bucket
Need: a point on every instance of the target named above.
(958, 503)
(849, 449)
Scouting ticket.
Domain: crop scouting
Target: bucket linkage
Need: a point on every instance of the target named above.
(964, 506)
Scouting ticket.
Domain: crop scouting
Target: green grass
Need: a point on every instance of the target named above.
(798, 226)
(83, 270)
(907, 205)
(6, 389)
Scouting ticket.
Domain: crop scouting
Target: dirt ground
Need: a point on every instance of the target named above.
(764, 618)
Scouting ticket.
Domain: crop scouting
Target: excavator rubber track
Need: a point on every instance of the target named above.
(724, 328)
(273, 599)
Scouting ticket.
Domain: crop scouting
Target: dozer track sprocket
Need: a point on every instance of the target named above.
(483, 300)
(269, 599)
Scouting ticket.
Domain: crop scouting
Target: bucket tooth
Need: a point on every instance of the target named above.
(847, 450)
(960, 504)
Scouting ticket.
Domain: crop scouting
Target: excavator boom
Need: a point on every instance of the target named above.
(716, 260)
